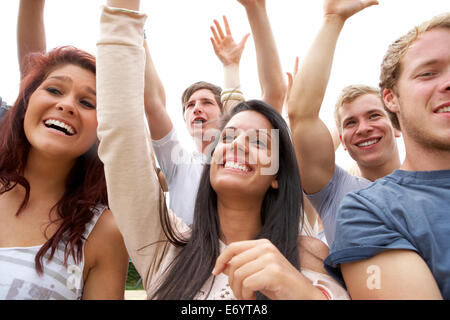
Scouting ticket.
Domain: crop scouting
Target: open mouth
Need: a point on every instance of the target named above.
(60, 126)
(368, 143)
(199, 121)
(237, 166)
(443, 110)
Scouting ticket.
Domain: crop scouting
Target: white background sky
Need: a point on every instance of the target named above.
(178, 35)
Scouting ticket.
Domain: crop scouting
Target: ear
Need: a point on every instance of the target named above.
(397, 133)
(274, 183)
(390, 100)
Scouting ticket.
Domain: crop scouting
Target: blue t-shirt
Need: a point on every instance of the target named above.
(405, 210)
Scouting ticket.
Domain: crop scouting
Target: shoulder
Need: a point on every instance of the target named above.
(104, 241)
(312, 253)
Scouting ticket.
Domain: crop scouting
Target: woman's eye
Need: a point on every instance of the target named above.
(87, 104)
(53, 90)
(259, 143)
(227, 138)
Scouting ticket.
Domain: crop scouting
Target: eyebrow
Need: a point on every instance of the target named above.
(368, 112)
(256, 130)
(68, 79)
(423, 64)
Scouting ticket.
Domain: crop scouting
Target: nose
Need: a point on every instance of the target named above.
(240, 146)
(66, 107)
(197, 108)
(364, 128)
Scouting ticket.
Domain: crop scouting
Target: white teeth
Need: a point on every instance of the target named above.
(236, 165)
(446, 109)
(60, 124)
(367, 143)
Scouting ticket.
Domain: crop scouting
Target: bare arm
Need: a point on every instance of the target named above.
(393, 274)
(30, 29)
(312, 140)
(155, 100)
(107, 260)
(271, 78)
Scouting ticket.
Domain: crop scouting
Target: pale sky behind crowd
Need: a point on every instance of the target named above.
(178, 34)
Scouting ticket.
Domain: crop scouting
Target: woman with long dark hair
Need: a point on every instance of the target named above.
(57, 238)
(244, 242)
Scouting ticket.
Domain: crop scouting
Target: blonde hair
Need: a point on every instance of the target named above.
(351, 93)
(391, 65)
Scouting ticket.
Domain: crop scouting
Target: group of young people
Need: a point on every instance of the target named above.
(81, 192)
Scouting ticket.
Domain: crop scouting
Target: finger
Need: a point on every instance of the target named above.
(244, 41)
(368, 3)
(227, 26)
(238, 278)
(260, 281)
(219, 29)
(234, 249)
(246, 257)
(216, 49)
(216, 37)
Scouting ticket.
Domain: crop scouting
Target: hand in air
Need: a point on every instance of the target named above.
(346, 8)
(226, 49)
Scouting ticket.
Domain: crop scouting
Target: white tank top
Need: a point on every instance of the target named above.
(19, 279)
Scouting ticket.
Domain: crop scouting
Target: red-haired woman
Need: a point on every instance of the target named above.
(57, 239)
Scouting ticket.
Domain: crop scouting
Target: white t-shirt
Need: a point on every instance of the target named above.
(182, 169)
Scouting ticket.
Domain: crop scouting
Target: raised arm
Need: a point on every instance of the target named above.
(271, 78)
(158, 118)
(30, 29)
(312, 140)
(133, 188)
(229, 53)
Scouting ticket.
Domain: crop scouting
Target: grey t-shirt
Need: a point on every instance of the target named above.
(182, 170)
(327, 201)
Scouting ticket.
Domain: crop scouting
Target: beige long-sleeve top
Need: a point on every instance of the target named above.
(133, 187)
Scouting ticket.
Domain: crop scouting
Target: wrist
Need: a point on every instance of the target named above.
(334, 18)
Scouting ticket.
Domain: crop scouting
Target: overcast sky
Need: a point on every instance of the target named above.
(178, 35)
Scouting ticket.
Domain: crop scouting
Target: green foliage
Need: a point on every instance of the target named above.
(134, 281)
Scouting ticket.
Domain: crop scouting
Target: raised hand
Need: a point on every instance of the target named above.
(252, 3)
(257, 265)
(226, 49)
(346, 8)
(291, 80)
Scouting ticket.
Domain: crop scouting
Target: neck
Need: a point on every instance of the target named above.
(424, 158)
(240, 219)
(47, 177)
(373, 173)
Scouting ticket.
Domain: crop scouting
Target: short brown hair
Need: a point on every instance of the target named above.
(349, 94)
(189, 91)
(391, 65)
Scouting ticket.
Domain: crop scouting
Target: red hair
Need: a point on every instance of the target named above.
(85, 184)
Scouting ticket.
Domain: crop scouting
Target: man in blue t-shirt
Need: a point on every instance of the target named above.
(392, 237)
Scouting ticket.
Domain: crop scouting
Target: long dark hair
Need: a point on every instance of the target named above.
(280, 215)
(85, 184)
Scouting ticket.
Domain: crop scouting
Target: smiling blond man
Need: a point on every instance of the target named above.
(392, 237)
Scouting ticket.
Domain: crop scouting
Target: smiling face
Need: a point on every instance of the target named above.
(60, 119)
(421, 98)
(201, 112)
(367, 132)
(248, 146)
